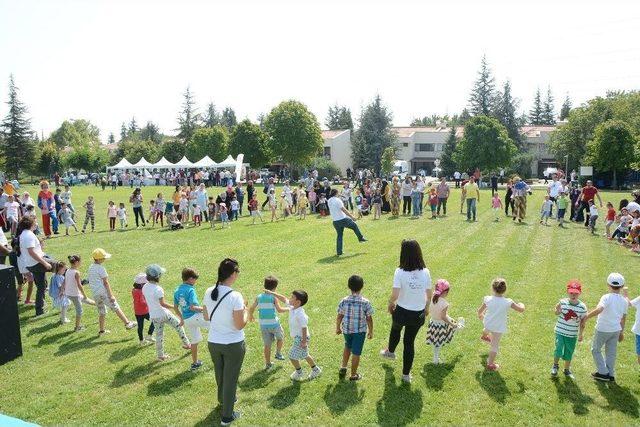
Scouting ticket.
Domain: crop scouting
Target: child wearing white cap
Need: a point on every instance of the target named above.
(159, 311)
(612, 314)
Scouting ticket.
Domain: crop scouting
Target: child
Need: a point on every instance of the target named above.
(224, 216)
(273, 204)
(612, 314)
(65, 216)
(235, 207)
(635, 303)
(569, 327)
(611, 216)
(160, 209)
(354, 321)
(496, 205)
(12, 214)
(152, 212)
(212, 209)
(183, 209)
(364, 207)
(493, 313)
(593, 216)
(56, 291)
(74, 290)
(112, 214)
(441, 326)
(159, 313)
(141, 309)
(358, 200)
(312, 200)
(299, 331)
(322, 205)
(376, 202)
(433, 202)
(562, 203)
(270, 328)
(122, 216)
(89, 216)
(623, 227)
(197, 215)
(174, 222)
(253, 209)
(303, 204)
(186, 305)
(545, 211)
(416, 200)
(102, 293)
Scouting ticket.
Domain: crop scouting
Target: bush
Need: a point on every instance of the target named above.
(326, 168)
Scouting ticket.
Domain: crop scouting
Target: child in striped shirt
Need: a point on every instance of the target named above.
(569, 327)
(268, 307)
(354, 321)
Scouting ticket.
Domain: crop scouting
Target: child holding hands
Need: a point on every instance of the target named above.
(569, 327)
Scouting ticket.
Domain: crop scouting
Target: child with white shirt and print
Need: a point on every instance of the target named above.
(493, 313)
(545, 211)
(299, 331)
(569, 327)
(635, 303)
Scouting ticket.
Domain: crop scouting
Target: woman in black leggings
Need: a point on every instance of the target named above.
(136, 202)
(409, 304)
(508, 201)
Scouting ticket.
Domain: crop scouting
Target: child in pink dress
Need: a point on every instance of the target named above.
(496, 205)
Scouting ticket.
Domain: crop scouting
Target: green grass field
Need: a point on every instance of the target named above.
(78, 378)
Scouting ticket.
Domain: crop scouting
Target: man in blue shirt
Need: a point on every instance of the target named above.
(187, 307)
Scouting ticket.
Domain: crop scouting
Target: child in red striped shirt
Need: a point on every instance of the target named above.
(141, 309)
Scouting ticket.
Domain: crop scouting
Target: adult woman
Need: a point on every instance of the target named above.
(386, 192)
(520, 190)
(47, 205)
(395, 196)
(508, 200)
(136, 203)
(227, 313)
(409, 304)
(442, 191)
(33, 258)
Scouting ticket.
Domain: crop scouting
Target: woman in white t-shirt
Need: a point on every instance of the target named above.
(227, 313)
(409, 304)
(33, 258)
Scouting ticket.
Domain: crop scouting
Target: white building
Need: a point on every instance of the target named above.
(421, 146)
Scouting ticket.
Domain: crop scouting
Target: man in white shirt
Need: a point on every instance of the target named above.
(342, 219)
(420, 187)
(553, 190)
(406, 188)
(456, 178)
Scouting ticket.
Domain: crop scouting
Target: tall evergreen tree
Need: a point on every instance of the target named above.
(211, 117)
(483, 93)
(373, 136)
(536, 114)
(123, 132)
(447, 164)
(548, 113)
(506, 107)
(151, 132)
(228, 118)
(17, 137)
(188, 117)
(339, 118)
(133, 127)
(111, 139)
(566, 108)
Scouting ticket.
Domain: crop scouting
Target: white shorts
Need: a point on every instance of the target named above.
(193, 324)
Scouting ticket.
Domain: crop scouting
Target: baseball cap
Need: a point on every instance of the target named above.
(141, 279)
(154, 270)
(100, 253)
(616, 280)
(574, 287)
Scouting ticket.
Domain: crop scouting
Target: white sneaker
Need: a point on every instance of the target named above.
(150, 338)
(65, 320)
(387, 354)
(315, 372)
(406, 379)
(130, 325)
(144, 343)
(297, 375)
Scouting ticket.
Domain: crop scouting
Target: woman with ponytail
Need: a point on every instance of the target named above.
(441, 326)
(227, 314)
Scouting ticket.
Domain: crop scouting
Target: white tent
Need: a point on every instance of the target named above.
(122, 164)
(183, 163)
(229, 162)
(142, 163)
(205, 162)
(162, 164)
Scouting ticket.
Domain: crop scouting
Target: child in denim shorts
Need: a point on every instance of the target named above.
(268, 307)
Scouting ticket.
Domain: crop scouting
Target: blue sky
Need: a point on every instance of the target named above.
(107, 61)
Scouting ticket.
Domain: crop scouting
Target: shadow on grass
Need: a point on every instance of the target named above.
(70, 347)
(125, 353)
(259, 379)
(399, 404)
(286, 396)
(434, 375)
(393, 217)
(334, 258)
(168, 386)
(619, 398)
(213, 419)
(492, 382)
(568, 391)
(43, 328)
(50, 339)
(126, 376)
(339, 397)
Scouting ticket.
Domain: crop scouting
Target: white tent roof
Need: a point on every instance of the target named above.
(143, 163)
(227, 163)
(163, 163)
(122, 164)
(184, 163)
(205, 162)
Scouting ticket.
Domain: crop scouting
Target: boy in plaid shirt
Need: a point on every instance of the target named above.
(354, 321)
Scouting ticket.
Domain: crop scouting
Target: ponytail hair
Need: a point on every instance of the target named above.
(227, 267)
(73, 259)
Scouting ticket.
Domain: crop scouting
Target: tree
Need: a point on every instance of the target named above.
(388, 159)
(211, 117)
(325, 167)
(373, 136)
(212, 142)
(486, 145)
(447, 163)
(188, 117)
(111, 139)
(483, 93)
(613, 148)
(135, 149)
(17, 137)
(506, 107)
(123, 132)
(566, 108)
(295, 136)
(548, 114)
(253, 142)
(173, 149)
(74, 133)
(47, 160)
(150, 132)
(339, 118)
(536, 114)
(228, 118)
(89, 158)
(133, 127)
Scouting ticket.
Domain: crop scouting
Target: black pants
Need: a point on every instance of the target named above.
(457, 183)
(240, 200)
(140, 320)
(553, 199)
(406, 205)
(584, 206)
(138, 212)
(508, 203)
(411, 321)
(40, 279)
(494, 189)
(442, 202)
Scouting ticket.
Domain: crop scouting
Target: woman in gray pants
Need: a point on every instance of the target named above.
(227, 313)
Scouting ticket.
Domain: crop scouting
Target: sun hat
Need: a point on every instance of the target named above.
(154, 270)
(574, 287)
(141, 279)
(100, 253)
(441, 286)
(615, 280)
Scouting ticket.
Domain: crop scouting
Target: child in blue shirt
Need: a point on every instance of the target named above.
(268, 307)
(185, 303)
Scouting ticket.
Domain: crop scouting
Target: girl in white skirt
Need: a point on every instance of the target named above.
(441, 326)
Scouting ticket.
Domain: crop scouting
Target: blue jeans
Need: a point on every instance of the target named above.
(340, 225)
(417, 209)
(471, 208)
(54, 222)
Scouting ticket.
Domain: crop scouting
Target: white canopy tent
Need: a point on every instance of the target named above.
(205, 162)
(184, 163)
(143, 164)
(163, 164)
(122, 164)
(229, 162)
